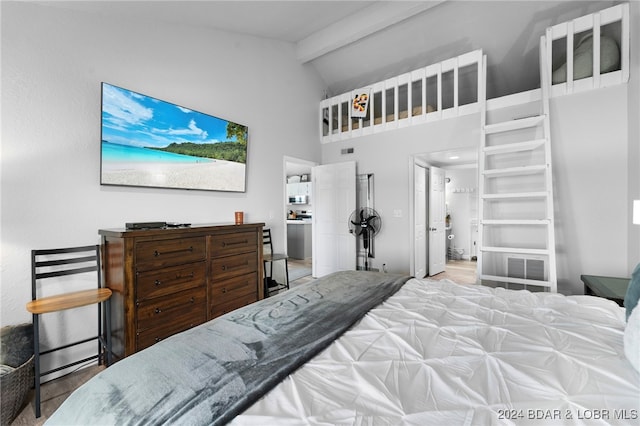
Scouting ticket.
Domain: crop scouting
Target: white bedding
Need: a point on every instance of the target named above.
(439, 353)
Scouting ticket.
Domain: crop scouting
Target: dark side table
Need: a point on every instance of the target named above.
(608, 287)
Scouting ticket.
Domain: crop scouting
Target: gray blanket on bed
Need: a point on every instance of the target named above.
(209, 374)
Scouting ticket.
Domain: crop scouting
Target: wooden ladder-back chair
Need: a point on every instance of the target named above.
(55, 263)
(270, 285)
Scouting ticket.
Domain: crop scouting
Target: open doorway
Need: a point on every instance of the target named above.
(461, 209)
(299, 214)
(461, 195)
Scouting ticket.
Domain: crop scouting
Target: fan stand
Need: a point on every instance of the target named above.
(365, 244)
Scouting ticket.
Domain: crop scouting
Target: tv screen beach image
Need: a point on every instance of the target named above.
(153, 143)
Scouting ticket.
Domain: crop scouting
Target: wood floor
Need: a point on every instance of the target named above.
(459, 271)
(53, 393)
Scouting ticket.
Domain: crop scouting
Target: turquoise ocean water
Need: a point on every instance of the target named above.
(112, 152)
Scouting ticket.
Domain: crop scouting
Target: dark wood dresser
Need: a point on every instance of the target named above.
(167, 280)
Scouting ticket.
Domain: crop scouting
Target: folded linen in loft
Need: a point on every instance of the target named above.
(209, 374)
(583, 59)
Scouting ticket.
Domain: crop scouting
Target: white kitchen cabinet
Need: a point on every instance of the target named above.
(299, 188)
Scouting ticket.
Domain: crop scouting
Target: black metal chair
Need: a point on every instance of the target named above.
(56, 263)
(271, 286)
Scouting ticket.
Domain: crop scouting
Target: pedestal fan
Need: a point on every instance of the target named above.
(365, 222)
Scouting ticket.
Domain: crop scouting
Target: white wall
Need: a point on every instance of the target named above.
(590, 172)
(53, 61)
(387, 156)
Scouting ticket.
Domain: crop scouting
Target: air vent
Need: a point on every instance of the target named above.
(526, 268)
(345, 151)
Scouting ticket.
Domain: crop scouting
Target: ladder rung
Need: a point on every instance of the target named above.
(519, 123)
(513, 195)
(516, 171)
(513, 280)
(514, 147)
(516, 250)
(516, 222)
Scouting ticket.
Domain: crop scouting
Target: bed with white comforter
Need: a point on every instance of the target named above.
(439, 353)
(431, 353)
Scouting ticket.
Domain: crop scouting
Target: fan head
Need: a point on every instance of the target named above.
(365, 221)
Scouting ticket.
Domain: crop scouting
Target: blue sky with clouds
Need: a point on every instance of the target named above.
(129, 118)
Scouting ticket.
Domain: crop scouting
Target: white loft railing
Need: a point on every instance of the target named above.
(450, 88)
(446, 89)
(592, 41)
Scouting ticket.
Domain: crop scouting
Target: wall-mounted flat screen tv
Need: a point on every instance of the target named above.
(152, 143)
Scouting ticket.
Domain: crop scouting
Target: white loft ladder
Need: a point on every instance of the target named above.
(516, 194)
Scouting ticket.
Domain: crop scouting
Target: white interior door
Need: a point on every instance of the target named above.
(334, 199)
(437, 235)
(420, 221)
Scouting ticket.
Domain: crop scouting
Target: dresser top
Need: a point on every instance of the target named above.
(195, 228)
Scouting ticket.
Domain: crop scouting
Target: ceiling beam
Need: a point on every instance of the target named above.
(376, 17)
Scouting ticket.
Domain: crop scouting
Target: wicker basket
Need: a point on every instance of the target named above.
(16, 350)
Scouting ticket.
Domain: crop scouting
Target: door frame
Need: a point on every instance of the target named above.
(285, 200)
(419, 165)
(422, 160)
(416, 160)
(436, 221)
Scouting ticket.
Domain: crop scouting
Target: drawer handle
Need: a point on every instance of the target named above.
(158, 339)
(156, 253)
(235, 243)
(178, 277)
(224, 289)
(224, 267)
(192, 300)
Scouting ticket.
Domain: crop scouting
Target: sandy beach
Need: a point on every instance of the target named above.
(219, 175)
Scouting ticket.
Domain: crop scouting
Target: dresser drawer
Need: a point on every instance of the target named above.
(169, 309)
(226, 306)
(146, 338)
(227, 244)
(158, 254)
(149, 337)
(231, 266)
(157, 283)
(233, 288)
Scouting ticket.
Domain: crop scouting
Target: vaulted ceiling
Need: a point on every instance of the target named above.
(355, 43)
